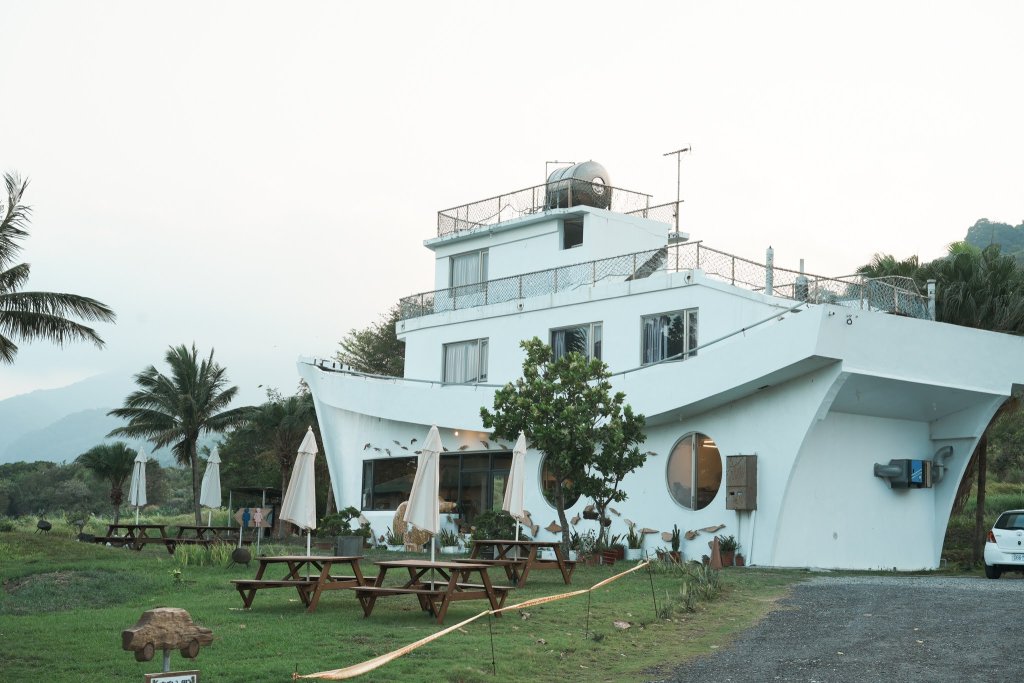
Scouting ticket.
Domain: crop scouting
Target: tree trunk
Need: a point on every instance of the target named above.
(193, 458)
(115, 498)
(562, 521)
(979, 511)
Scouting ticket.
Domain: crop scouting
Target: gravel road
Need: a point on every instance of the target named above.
(843, 629)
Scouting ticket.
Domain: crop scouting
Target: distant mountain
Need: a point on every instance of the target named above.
(60, 424)
(1009, 237)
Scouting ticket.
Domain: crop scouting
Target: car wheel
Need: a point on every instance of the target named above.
(190, 651)
(145, 654)
(992, 571)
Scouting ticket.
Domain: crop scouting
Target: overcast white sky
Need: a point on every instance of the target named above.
(259, 177)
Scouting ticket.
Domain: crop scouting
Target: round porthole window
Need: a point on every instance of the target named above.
(547, 486)
(694, 471)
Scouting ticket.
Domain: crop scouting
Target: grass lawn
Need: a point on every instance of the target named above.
(64, 604)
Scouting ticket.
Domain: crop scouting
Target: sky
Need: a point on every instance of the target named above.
(258, 178)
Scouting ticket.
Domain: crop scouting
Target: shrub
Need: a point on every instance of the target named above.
(494, 524)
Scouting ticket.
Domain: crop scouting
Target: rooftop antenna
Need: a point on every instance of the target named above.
(548, 163)
(679, 162)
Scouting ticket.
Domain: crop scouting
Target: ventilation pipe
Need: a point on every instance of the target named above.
(769, 271)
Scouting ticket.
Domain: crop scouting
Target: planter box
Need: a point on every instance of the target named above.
(395, 548)
(348, 545)
(634, 553)
(450, 550)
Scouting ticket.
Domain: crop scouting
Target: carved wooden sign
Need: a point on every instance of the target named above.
(165, 628)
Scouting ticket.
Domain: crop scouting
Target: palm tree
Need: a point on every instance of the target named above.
(29, 316)
(274, 431)
(112, 462)
(174, 410)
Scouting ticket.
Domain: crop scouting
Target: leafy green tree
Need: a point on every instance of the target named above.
(175, 409)
(32, 316)
(113, 463)
(375, 349)
(566, 408)
(271, 434)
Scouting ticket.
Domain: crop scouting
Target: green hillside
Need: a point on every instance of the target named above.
(1009, 237)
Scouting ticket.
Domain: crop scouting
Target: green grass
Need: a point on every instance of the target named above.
(64, 604)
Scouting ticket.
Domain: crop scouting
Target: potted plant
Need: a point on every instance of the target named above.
(634, 544)
(393, 541)
(496, 524)
(449, 541)
(727, 546)
(347, 541)
(675, 555)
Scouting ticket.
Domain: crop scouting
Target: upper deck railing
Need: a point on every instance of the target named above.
(531, 200)
(891, 295)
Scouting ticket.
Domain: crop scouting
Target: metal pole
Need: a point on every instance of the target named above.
(679, 166)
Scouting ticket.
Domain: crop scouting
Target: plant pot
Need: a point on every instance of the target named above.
(620, 552)
(727, 557)
(634, 553)
(449, 550)
(740, 560)
(348, 545)
(675, 556)
(395, 548)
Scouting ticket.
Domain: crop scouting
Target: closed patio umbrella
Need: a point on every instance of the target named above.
(137, 491)
(299, 505)
(513, 500)
(209, 492)
(423, 511)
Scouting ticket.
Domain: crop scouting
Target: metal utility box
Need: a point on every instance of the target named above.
(741, 482)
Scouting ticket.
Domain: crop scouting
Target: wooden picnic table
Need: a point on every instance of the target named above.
(135, 536)
(198, 534)
(511, 550)
(434, 596)
(310, 575)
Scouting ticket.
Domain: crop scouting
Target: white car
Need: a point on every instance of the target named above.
(1004, 547)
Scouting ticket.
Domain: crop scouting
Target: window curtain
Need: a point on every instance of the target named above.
(462, 362)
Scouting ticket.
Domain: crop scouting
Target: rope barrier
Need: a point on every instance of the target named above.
(377, 662)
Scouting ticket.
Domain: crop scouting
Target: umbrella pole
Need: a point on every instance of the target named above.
(309, 532)
(136, 515)
(209, 518)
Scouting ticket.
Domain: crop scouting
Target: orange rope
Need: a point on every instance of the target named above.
(377, 662)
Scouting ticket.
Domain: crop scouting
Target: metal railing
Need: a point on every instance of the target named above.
(531, 200)
(890, 295)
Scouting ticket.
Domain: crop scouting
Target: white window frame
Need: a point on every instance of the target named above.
(691, 324)
(470, 277)
(591, 328)
(477, 352)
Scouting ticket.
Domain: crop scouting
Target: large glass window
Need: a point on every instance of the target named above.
(547, 487)
(475, 481)
(694, 471)
(386, 483)
(585, 339)
(465, 362)
(669, 335)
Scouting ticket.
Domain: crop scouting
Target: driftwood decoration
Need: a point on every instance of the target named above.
(553, 528)
(165, 628)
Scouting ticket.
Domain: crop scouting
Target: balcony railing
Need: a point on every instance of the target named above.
(890, 295)
(531, 200)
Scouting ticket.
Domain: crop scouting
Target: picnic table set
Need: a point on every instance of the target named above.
(435, 584)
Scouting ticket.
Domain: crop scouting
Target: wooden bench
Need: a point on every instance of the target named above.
(247, 588)
(513, 566)
(112, 540)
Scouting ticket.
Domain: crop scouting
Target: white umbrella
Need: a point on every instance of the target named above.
(209, 492)
(299, 506)
(423, 511)
(137, 491)
(513, 501)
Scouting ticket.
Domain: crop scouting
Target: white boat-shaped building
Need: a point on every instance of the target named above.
(825, 422)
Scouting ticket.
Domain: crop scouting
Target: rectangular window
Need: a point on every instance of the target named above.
(468, 269)
(572, 233)
(475, 481)
(465, 362)
(669, 336)
(585, 339)
(387, 482)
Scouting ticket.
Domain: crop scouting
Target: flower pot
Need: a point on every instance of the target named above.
(727, 557)
(675, 556)
(740, 560)
(348, 545)
(634, 553)
(396, 548)
(449, 549)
